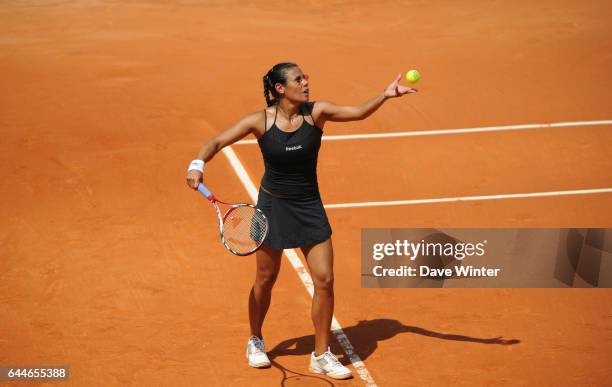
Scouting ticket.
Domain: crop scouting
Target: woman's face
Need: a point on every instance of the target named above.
(296, 87)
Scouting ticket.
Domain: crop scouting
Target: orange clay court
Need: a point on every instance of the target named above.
(111, 265)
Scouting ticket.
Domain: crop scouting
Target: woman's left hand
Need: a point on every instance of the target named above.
(397, 90)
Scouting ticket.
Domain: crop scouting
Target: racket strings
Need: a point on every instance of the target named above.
(244, 229)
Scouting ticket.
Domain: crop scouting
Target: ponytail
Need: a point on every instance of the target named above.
(267, 90)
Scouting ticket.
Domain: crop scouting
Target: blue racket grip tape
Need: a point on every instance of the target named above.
(204, 190)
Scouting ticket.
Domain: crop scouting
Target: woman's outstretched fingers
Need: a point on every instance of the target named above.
(406, 90)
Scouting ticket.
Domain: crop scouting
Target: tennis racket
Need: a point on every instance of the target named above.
(243, 227)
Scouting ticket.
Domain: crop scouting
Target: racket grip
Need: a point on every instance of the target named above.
(204, 191)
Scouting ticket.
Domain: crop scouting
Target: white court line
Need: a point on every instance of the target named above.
(455, 131)
(305, 277)
(471, 198)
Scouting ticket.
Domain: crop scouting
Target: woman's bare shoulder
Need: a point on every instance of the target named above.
(316, 109)
(256, 120)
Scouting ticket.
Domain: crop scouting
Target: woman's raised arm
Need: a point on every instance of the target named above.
(330, 111)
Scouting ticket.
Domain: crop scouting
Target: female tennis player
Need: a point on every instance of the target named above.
(289, 135)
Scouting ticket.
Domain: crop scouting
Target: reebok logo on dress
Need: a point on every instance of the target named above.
(292, 148)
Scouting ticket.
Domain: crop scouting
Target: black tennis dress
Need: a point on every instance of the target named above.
(289, 193)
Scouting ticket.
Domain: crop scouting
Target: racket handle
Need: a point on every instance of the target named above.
(204, 191)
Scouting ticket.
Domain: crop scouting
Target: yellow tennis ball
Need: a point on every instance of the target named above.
(413, 76)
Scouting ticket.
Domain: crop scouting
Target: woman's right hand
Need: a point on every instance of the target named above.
(194, 178)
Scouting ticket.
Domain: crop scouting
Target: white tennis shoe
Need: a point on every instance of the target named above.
(256, 353)
(329, 365)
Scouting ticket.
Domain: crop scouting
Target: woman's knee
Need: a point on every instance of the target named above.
(268, 266)
(266, 278)
(324, 282)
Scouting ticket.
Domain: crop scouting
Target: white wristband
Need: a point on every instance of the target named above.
(198, 165)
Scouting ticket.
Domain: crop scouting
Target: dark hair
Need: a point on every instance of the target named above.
(276, 75)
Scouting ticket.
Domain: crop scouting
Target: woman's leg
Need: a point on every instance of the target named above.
(268, 265)
(320, 259)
